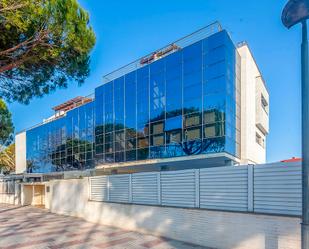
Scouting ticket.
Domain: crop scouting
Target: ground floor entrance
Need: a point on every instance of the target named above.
(33, 194)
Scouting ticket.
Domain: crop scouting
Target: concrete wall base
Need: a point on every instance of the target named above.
(217, 229)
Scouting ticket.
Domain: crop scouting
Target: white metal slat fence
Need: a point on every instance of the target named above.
(119, 188)
(274, 189)
(277, 189)
(178, 188)
(98, 188)
(224, 188)
(145, 188)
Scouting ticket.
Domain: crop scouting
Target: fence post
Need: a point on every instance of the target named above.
(197, 188)
(130, 188)
(159, 187)
(89, 188)
(108, 186)
(250, 188)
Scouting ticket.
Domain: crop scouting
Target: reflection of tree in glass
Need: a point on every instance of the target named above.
(72, 160)
(174, 113)
(210, 145)
(177, 148)
(32, 165)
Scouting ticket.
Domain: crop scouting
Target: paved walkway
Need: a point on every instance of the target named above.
(29, 227)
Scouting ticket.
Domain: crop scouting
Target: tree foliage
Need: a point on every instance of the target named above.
(6, 125)
(7, 159)
(44, 44)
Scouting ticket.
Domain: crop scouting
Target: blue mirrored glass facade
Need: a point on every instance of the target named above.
(186, 103)
(66, 143)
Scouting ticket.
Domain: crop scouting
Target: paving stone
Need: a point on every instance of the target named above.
(36, 228)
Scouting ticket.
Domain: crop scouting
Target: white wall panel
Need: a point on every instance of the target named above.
(178, 188)
(98, 188)
(224, 188)
(145, 188)
(119, 188)
(277, 189)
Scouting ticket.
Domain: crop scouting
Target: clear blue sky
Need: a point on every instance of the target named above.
(127, 30)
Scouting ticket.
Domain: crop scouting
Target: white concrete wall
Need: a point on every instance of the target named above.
(20, 152)
(13, 199)
(9, 199)
(251, 152)
(222, 230)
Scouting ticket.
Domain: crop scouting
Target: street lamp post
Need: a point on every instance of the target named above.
(297, 11)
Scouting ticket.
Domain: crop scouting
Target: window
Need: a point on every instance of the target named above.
(142, 130)
(108, 148)
(143, 154)
(131, 144)
(192, 120)
(210, 131)
(99, 149)
(192, 51)
(192, 79)
(173, 95)
(131, 155)
(119, 156)
(214, 101)
(157, 128)
(192, 134)
(173, 123)
(259, 139)
(130, 100)
(119, 146)
(215, 70)
(264, 103)
(173, 137)
(99, 139)
(214, 55)
(143, 142)
(157, 140)
(192, 92)
(215, 85)
(119, 136)
(109, 138)
(209, 117)
(214, 130)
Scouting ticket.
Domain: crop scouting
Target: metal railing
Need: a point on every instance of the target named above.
(170, 48)
(181, 43)
(48, 120)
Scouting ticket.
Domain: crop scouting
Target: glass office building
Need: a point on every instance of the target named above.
(178, 102)
(66, 143)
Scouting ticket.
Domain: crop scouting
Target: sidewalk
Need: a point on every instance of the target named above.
(35, 228)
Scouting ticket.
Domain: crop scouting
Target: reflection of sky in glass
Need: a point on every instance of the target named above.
(183, 104)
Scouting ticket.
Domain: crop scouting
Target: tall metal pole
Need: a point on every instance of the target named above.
(305, 135)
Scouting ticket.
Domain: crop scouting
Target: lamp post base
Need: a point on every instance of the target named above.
(305, 235)
(305, 137)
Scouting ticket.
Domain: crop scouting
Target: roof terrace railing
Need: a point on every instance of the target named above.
(174, 46)
(145, 60)
(89, 98)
